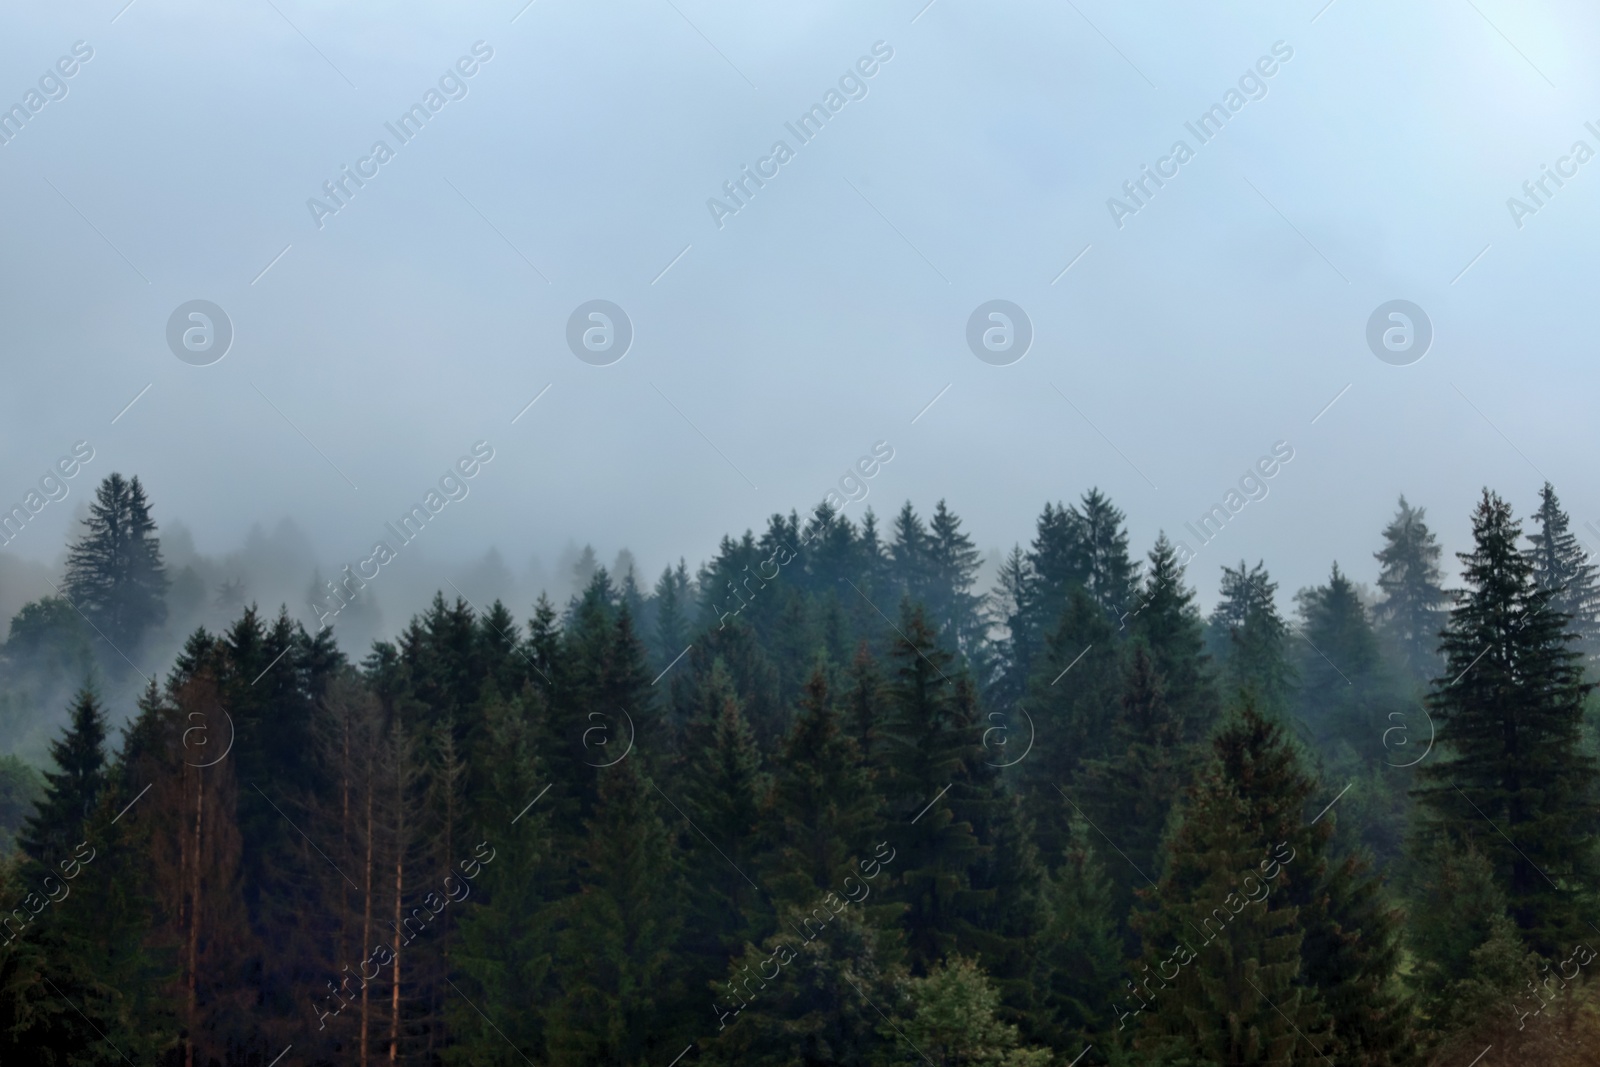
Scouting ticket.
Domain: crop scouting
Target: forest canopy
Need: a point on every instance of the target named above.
(821, 800)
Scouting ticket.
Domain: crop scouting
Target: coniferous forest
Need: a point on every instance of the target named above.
(824, 800)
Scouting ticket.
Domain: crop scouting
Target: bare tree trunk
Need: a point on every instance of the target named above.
(399, 886)
(394, 1001)
(366, 920)
(194, 919)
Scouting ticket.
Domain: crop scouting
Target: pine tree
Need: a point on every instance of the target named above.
(1235, 993)
(1110, 576)
(73, 790)
(114, 571)
(84, 979)
(1414, 605)
(1471, 959)
(1509, 710)
(930, 737)
(1349, 697)
(614, 950)
(1252, 638)
(723, 789)
(673, 606)
(821, 811)
(911, 565)
(1562, 567)
(952, 1016)
(503, 955)
(1080, 950)
(1134, 788)
(1164, 616)
(810, 1000)
(1073, 701)
(1011, 657)
(952, 562)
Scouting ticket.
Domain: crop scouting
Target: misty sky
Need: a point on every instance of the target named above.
(825, 315)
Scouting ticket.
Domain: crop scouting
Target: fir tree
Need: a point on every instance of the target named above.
(952, 1017)
(1134, 788)
(1073, 700)
(953, 568)
(1509, 709)
(1221, 981)
(506, 941)
(821, 811)
(114, 571)
(614, 948)
(73, 790)
(1252, 638)
(1562, 567)
(1165, 617)
(1414, 606)
(928, 741)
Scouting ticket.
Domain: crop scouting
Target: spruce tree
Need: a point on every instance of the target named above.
(1414, 604)
(114, 571)
(953, 568)
(723, 789)
(952, 1016)
(1165, 617)
(614, 949)
(930, 736)
(1349, 697)
(1562, 567)
(1221, 980)
(73, 790)
(1134, 787)
(1073, 701)
(504, 952)
(821, 810)
(1514, 782)
(1110, 576)
(1251, 638)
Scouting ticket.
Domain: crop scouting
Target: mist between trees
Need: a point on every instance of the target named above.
(845, 707)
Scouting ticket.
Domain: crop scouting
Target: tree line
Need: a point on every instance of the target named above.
(873, 816)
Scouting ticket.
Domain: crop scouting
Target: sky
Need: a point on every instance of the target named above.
(1175, 339)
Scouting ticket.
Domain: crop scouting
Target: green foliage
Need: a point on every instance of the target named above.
(1414, 605)
(1513, 782)
(21, 789)
(114, 571)
(950, 1017)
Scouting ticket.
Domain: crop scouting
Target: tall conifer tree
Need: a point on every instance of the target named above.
(1509, 708)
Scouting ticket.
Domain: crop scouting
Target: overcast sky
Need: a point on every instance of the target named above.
(770, 352)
